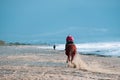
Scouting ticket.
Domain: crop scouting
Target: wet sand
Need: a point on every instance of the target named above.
(34, 63)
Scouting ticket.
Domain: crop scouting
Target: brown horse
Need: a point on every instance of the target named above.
(70, 51)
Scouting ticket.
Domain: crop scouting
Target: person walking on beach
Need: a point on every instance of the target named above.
(54, 46)
(70, 48)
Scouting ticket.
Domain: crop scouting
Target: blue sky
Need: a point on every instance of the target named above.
(53, 20)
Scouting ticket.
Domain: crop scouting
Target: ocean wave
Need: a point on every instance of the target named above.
(101, 48)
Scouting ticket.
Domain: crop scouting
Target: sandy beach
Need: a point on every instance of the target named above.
(34, 63)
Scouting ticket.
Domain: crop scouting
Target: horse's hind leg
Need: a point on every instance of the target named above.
(68, 56)
(72, 55)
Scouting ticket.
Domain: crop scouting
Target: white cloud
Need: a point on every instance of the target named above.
(100, 29)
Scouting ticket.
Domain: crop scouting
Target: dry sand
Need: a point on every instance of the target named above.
(33, 63)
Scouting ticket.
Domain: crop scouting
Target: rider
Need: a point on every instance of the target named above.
(70, 46)
(69, 39)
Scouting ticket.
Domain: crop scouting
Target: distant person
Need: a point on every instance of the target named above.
(70, 48)
(54, 47)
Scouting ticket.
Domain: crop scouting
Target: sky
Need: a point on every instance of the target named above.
(52, 20)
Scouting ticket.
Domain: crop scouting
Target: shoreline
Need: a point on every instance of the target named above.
(82, 52)
(31, 63)
(98, 55)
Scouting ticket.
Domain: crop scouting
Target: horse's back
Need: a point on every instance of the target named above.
(70, 47)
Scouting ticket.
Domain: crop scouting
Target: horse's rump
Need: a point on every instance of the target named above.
(70, 49)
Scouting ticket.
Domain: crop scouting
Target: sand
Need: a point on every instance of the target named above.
(34, 63)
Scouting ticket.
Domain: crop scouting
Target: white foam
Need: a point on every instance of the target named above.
(104, 48)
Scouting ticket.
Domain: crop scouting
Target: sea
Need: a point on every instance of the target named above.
(94, 48)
